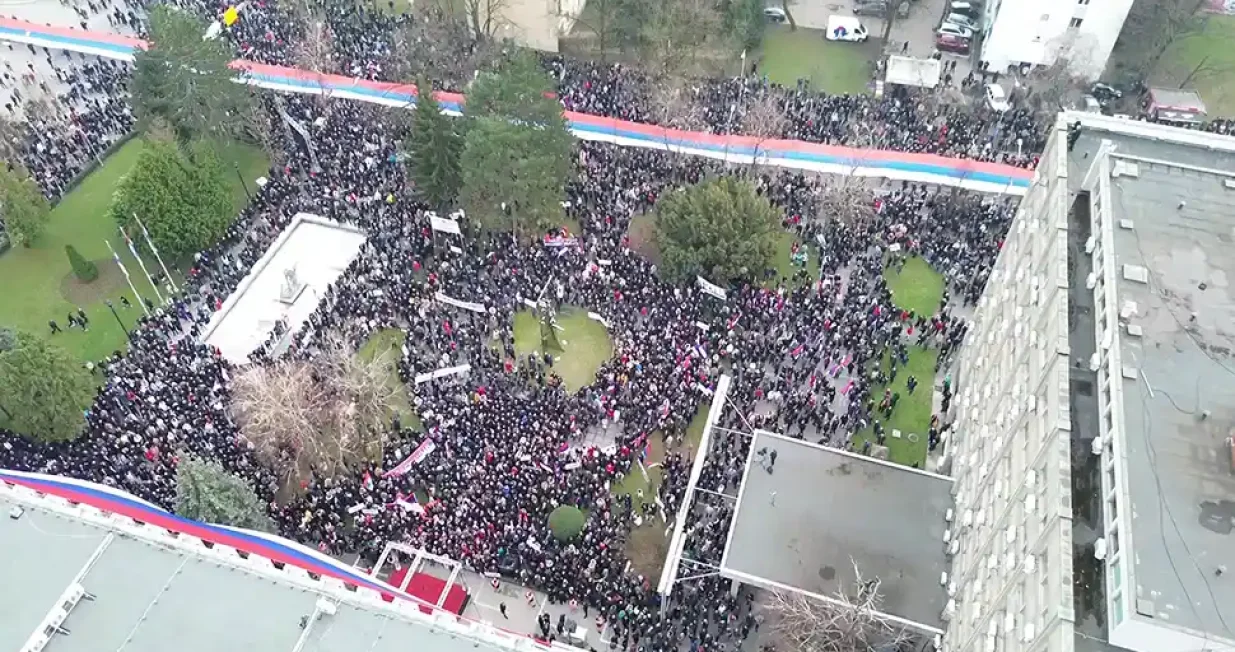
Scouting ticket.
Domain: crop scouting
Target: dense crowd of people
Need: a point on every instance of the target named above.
(510, 443)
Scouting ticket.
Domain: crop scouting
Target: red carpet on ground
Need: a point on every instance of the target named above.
(429, 589)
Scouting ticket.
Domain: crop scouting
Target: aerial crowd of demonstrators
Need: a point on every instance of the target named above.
(509, 451)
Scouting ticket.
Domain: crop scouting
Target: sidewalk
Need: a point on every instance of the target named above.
(521, 613)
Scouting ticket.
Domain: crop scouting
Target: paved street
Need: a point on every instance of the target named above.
(19, 60)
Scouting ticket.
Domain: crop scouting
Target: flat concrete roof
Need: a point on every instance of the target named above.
(318, 249)
(1178, 466)
(151, 598)
(821, 511)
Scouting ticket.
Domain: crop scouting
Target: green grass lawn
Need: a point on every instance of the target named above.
(1215, 81)
(38, 284)
(392, 339)
(830, 66)
(917, 287)
(785, 267)
(585, 345)
(912, 415)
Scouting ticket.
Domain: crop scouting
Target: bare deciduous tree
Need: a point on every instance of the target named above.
(845, 198)
(677, 28)
(486, 18)
(259, 128)
(331, 414)
(673, 105)
(1152, 26)
(850, 623)
(439, 46)
(764, 119)
(1205, 68)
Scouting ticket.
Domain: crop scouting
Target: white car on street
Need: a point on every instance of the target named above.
(996, 98)
(951, 29)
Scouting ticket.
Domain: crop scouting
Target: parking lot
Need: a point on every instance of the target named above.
(912, 36)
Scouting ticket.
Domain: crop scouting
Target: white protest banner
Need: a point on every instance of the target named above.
(596, 317)
(702, 326)
(711, 289)
(422, 451)
(442, 373)
(444, 225)
(466, 305)
(456, 250)
(529, 303)
(559, 241)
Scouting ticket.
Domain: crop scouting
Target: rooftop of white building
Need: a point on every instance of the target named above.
(823, 516)
(80, 578)
(1167, 200)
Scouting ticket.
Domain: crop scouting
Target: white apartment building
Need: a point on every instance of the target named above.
(1036, 32)
(1092, 440)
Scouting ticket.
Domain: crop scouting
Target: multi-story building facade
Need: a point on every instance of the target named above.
(1092, 449)
(1037, 32)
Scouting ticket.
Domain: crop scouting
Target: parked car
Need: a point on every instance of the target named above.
(774, 15)
(962, 20)
(955, 30)
(996, 98)
(1105, 93)
(879, 8)
(971, 9)
(949, 43)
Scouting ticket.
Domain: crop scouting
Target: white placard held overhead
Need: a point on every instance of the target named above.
(466, 305)
(442, 373)
(711, 289)
(443, 224)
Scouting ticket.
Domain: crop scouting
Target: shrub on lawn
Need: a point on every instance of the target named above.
(85, 270)
(566, 522)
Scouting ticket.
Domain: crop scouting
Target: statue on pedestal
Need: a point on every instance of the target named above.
(292, 286)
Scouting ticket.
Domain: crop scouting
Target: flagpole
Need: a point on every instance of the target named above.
(142, 264)
(116, 257)
(157, 257)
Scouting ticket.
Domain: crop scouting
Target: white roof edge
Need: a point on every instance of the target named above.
(408, 609)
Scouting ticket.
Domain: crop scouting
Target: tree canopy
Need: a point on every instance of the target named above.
(566, 522)
(205, 491)
(23, 208)
(180, 193)
(721, 229)
(435, 146)
(516, 148)
(185, 79)
(44, 391)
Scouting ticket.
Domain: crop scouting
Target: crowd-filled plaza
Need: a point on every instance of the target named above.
(532, 372)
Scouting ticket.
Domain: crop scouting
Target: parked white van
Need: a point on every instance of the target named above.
(846, 28)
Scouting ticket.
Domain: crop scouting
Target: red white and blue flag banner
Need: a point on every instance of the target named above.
(422, 451)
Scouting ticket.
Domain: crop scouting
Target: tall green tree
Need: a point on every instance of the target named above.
(181, 193)
(43, 389)
(23, 208)
(435, 146)
(205, 491)
(721, 229)
(516, 148)
(184, 79)
(85, 270)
